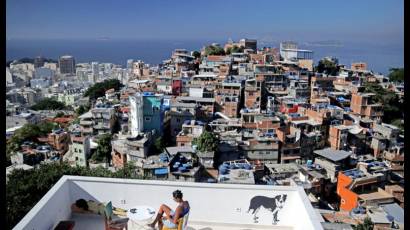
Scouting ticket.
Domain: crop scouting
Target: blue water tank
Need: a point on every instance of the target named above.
(182, 168)
(362, 210)
(223, 167)
(232, 166)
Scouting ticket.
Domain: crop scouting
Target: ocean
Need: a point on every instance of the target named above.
(379, 57)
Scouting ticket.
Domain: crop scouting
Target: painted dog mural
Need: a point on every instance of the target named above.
(272, 204)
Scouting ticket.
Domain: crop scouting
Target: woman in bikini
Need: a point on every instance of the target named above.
(171, 217)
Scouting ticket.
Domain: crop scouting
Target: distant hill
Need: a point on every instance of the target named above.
(325, 43)
(29, 60)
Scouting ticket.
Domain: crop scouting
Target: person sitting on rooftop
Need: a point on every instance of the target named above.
(83, 206)
(172, 217)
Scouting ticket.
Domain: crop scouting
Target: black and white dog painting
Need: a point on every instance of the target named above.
(272, 204)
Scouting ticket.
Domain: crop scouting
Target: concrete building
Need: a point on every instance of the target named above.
(146, 113)
(185, 166)
(362, 186)
(289, 52)
(44, 73)
(365, 106)
(39, 62)
(361, 66)
(24, 96)
(332, 161)
(86, 123)
(66, 64)
(236, 172)
(79, 151)
(179, 113)
(50, 65)
(39, 83)
(9, 76)
(253, 94)
(228, 96)
(190, 129)
(228, 212)
(206, 106)
(103, 118)
(299, 89)
(131, 149)
(21, 119)
(248, 43)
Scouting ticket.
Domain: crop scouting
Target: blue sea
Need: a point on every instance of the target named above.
(379, 57)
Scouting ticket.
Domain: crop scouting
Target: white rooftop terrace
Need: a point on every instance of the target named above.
(213, 206)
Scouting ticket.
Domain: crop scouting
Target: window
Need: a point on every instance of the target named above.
(147, 119)
(178, 120)
(76, 158)
(155, 109)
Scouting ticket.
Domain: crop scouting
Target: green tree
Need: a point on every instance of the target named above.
(196, 54)
(366, 225)
(235, 49)
(59, 114)
(98, 89)
(82, 109)
(26, 187)
(392, 106)
(158, 145)
(29, 132)
(128, 171)
(328, 66)
(103, 152)
(48, 104)
(396, 74)
(214, 50)
(208, 141)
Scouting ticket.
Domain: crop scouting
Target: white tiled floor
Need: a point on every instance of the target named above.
(91, 221)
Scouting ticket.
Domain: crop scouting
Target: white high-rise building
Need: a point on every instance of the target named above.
(9, 77)
(95, 69)
(289, 52)
(129, 64)
(137, 116)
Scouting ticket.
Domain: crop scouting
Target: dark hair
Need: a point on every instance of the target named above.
(177, 194)
(81, 203)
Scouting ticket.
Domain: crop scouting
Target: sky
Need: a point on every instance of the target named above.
(376, 21)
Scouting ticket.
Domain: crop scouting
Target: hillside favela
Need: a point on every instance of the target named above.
(230, 135)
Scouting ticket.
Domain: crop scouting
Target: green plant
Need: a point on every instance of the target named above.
(396, 74)
(366, 225)
(328, 67)
(392, 106)
(26, 187)
(214, 50)
(208, 141)
(98, 89)
(48, 104)
(103, 152)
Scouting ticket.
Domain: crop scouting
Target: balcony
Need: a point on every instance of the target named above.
(213, 206)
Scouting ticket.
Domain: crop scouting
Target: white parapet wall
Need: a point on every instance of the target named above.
(211, 204)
